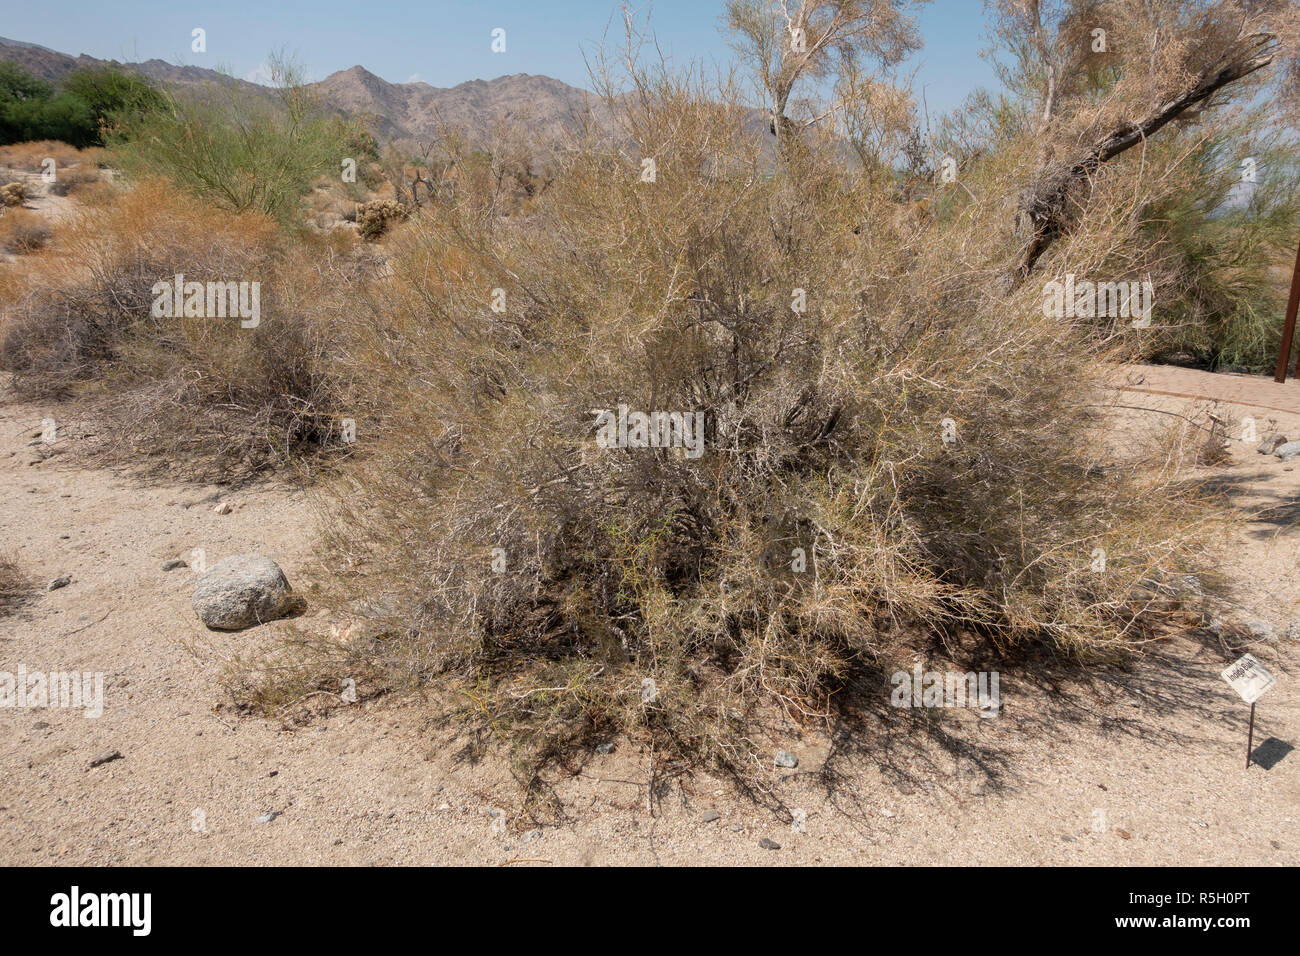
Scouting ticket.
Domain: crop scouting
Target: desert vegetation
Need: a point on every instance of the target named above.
(903, 450)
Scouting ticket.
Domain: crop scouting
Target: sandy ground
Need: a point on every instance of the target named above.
(1144, 767)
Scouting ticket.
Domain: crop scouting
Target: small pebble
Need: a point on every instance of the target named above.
(767, 844)
(57, 583)
(786, 759)
(268, 816)
(708, 816)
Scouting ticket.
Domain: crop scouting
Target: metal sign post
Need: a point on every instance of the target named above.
(1250, 735)
(1249, 678)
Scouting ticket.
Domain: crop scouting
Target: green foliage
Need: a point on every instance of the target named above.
(1232, 241)
(86, 103)
(238, 148)
(110, 92)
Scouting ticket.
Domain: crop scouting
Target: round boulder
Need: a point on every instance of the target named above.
(242, 591)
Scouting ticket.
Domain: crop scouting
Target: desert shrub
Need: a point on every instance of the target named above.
(23, 232)
(827, 529)
(376, 217)
(13, 194)
(112, 95)
(239, 150)
(1232, 243)
(71, 179)
(196, 393)
(77, 112)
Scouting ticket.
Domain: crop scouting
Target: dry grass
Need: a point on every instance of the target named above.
(30, 156)
(14, 586)
(189, 394)
(23, 232)
(73, 179)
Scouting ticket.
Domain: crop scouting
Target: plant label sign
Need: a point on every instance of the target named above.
(1249, 678)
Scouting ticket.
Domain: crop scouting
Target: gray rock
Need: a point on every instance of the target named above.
(708, 816)
(1288, 451)
(786, 759)
(174, 564)
(1293, 630)
(1271, 443)
(106, 758)
(223, 508)
(1260, 630)
(767, 844)
(242, 591)
(604, 748)
(57, 583)
(268, 816)
(531, 836)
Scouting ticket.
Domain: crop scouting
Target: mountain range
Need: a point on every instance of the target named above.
(397, 111)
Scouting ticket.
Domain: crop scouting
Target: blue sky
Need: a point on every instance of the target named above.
(442, 42)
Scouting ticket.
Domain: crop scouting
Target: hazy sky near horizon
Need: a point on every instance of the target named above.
(446, 42)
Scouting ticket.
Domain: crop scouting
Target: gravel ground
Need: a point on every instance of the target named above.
(1144, 767)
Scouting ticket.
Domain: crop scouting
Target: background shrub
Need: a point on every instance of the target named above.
(239, 150)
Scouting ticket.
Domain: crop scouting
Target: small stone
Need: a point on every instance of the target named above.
(767, 844)
(57, 583)
(1124, 834)
(1293, 630)
(737, 828)
(887, 813)
(268, 816)
(708, 816)
(106, 757)
(338, 842)
(1066, 838)
(1271, 444)
(174, 564)
(531, 836)
(1287, 451)
(444, 806)
(40, 725)
(786, 759)
(605, 748)
(1259, 630)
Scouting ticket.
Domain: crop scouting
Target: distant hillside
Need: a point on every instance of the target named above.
(412, 111)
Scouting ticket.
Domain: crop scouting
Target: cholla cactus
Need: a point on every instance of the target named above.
(13, 194)
(374, 218)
